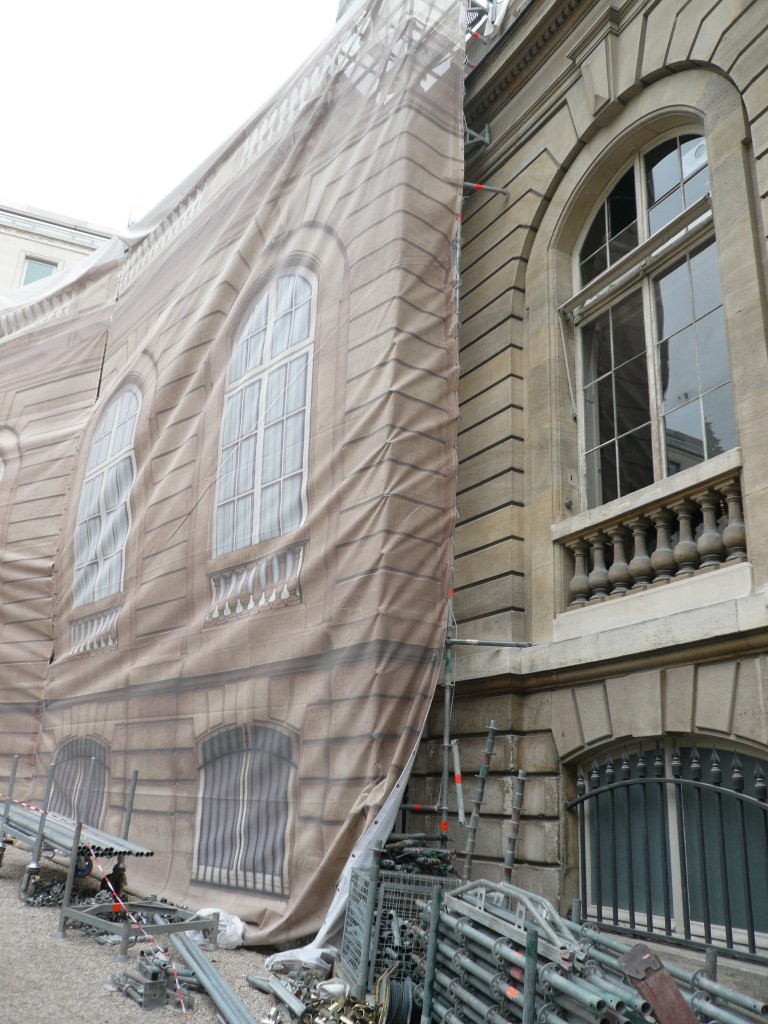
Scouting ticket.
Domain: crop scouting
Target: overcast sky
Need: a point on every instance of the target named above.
(107, 106)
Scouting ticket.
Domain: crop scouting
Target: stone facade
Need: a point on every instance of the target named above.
(572, 91)
(49, 239)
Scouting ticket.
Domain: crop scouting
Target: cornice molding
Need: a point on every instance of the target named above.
(520, 58)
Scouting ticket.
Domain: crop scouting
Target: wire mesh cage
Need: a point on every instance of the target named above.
(377, 936)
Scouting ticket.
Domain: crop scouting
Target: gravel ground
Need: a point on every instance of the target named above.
(48, 980)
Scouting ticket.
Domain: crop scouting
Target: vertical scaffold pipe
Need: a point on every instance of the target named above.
(34, 865)
(366, 968)
(530, 974)
(457, 781)
(7, 808)
(514, 826)
(478, 800)
(447, 706)
(429, 967)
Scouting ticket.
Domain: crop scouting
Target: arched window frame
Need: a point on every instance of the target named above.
(73, 760)
(99, 560)
(633, 275)
(241, 840)
(243, 457)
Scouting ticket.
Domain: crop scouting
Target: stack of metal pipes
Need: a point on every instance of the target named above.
(23, 823)
(492, 954)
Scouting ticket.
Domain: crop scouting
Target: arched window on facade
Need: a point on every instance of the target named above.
(104, 517)
(73, 764)
(672, 843)
(656, 379)
(243, 811)
(263, 449)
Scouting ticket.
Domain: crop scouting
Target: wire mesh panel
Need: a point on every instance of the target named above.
(386, 944)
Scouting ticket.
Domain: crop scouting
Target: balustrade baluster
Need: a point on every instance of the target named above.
(662, 560)
(710, 543)
(640, 567)
(735, 534)
(598, 578)
(619, 574)
(686, 551)
(579, 587)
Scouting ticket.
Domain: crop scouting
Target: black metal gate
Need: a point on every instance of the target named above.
(665, 851)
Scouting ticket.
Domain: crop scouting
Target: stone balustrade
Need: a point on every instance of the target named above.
(263, 584)
(657, 544)
(94, 633)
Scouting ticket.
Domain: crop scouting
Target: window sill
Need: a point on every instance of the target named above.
(662, 491)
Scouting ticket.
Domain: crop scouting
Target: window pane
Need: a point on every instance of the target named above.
(596, 237)
(601, 475)
(285, 293)
(294, 443)
(225, 528)
(227, 473)
(270, 512)
(672, 295)
(301, 323)
(662, 170)
(281, 334)
(719, 423)
(628, 329)
(697, 187)
(297, 384)
(246, 469)
(244, 521)
(597, 348)
(622, 205)
(272, 454)
(36, 270)
(705, 277)
(623, 243)
(663, 212)
(632, 402)
(693, 153)
(714, 368)
(594, 265)
(635, 460)
(275, 394)
(291, 511)
(684, 437)
(677, 370)
(600, 424)
(251, 396)
(230, 430)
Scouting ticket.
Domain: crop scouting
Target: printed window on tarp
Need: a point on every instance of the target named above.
(263, 451)
(243, 811)
(71, 796)
(104, 518)
(673, 842)
(656, 377)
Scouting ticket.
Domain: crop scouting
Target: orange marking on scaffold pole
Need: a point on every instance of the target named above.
(512, 992)
(443, 826)
(457, 779)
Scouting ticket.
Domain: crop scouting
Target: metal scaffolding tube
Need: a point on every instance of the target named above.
(229, 1006)
(478, 800)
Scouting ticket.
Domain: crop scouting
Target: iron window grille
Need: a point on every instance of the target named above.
(674, 844)
(73, 761)
(244, 810)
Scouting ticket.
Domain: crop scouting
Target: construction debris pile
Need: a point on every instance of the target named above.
(411, 855)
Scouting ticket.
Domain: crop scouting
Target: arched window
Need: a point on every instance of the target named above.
(263, 449)
(243, 814)
(656, 378)
(672, 842)
(104, 518)
(73, 764)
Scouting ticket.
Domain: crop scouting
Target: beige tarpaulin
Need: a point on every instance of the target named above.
(228, 462)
